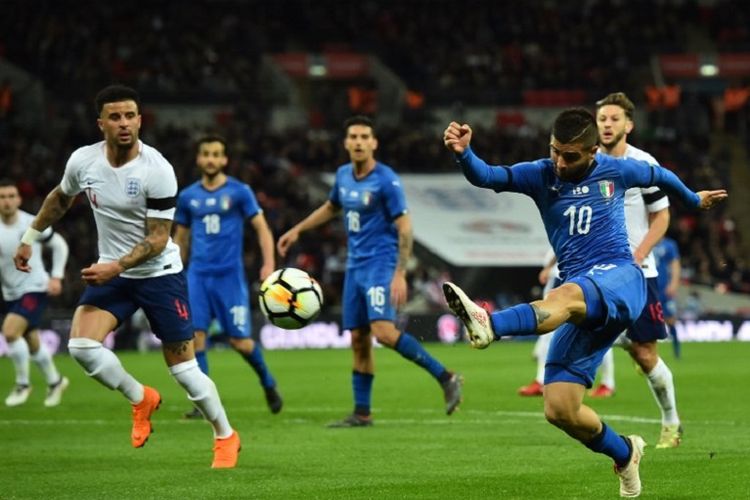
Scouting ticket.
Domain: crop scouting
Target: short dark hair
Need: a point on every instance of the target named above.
(576, 125)
(116, 93)
(212, 138)
(618, 99)
(6, 182)
(359, 120)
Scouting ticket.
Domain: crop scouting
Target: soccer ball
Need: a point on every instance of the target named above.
(290, 298)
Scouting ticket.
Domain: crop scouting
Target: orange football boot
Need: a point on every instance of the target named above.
(226, 451)
(142, 416)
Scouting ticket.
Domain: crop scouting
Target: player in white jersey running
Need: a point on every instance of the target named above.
(25, 299)
(647, 220)
(132, 191)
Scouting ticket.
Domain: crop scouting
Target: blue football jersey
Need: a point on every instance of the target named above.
(665, 252)
(370, 205)
(584, 220)
(216, 221)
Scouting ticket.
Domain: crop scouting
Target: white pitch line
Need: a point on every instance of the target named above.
(478, 417)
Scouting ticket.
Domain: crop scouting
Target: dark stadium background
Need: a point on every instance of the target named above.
(278, 78)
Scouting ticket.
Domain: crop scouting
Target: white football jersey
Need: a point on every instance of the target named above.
(15, 284)
(122, 198)
(554, 274)
(639, 203)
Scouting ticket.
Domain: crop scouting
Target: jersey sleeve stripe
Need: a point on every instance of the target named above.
(650, 198)
(161, 203)
(510, 174)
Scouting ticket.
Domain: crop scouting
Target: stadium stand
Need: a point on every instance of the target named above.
(495, 56)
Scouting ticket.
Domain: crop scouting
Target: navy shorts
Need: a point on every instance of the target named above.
(614, 295)
(649, 327)
(367, 294)
(31, 306)
(223, 297)
(163, 299)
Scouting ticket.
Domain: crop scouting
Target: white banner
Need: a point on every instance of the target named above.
(471, 226)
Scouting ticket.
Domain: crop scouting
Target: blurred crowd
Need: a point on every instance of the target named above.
(481, 53)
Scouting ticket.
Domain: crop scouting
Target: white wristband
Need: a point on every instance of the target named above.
(30, 236)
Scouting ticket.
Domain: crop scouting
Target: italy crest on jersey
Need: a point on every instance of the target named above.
(607, 188)
(132, 187)
(225, 203)
(366, 198)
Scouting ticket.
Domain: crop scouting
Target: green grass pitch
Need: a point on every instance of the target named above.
(497, 446)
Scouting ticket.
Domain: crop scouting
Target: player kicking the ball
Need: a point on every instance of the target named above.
(580, 194)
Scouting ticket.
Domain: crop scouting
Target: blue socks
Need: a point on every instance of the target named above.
(675, 341)
(411, 349)
(255, 358)
(408, 347)
(611, 444)
(200, 357)
(362, 387)
(517, 320)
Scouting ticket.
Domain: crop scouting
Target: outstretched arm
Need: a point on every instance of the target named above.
(497, 177)
(710, 199)
(319, 216)
(54, 207)
(635, 175)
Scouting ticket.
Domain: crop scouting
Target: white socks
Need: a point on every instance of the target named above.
(44, 361)
(18, 351)
(202, 392)
(662, 387)
(104, 366)
(608, 370)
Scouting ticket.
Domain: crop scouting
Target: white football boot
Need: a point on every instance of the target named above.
(630, 479)
(55, 392)
(18, 395)
(475, 318)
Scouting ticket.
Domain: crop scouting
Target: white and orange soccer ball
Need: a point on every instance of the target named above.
(290, 298)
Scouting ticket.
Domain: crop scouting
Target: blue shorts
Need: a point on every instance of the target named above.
(30, 306)
(367, 294)
(649, 327)
(223, 297)
(163, 299)
(614, 295)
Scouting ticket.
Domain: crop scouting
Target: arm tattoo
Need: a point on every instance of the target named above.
(405, 244)
(54, 207)
(151, 246)
(541, 315)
